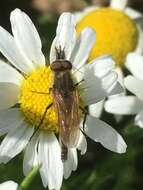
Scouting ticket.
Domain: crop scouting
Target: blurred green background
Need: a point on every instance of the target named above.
(99, 169)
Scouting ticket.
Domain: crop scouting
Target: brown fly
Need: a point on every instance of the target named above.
(66, 103)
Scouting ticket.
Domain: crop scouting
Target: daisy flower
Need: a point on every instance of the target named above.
(25, 85)
(8, 185)
(133, 105)
(119, 32)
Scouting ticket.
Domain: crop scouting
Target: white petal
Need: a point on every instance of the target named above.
(139, 48)
(103, 133)
(95, 88)
(9, 119)
(31, 155)
(66, 33)
(95, 110)
(134, 63)
(82, 144)
(103, 65)
(9, 74)
(135, 86)
(139, 119)
(9, 49)
(82, 48)
(78, 75)
(124, 105)
(120, 75)
(9, 95)
(27, 37)
(8, 185)
(99, 75)
(50, 157)
(109, 82)
(71, 163)
(117, 89)
(118, 4)
(15, 142)
(52, 51)
(133, 13)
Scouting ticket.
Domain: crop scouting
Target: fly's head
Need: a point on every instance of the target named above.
(60, 64)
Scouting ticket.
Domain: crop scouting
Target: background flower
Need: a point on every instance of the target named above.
(99, 169)
(108, 20)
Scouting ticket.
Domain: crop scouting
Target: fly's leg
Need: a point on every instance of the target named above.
(78, 83)
(85, 112)
(41, 122)
(45, 93)
(84, 120)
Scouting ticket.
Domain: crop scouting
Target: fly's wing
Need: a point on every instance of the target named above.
(67, 108)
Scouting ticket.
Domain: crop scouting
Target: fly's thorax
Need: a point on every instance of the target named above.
(63, 81)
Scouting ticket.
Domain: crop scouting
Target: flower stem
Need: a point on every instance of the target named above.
(29, 178)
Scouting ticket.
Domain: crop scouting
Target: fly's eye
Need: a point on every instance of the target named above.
(55, 66)
(67, 65)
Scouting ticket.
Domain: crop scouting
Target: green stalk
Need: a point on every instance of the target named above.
(29, 178)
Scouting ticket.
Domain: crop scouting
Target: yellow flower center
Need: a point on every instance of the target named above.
(36, 96)
(116, 33)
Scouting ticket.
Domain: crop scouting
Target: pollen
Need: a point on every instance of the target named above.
(116, 33)
(36, 96)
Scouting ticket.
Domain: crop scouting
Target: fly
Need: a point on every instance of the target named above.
(66, 103)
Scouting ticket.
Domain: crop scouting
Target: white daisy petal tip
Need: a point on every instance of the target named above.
(15, 141)
(119, 4)
(82, 144)
(15, 11)
(103, 133)
(139, 120)
(65, 35)
(134, 85)
(132, 105)
(49, 152)
(65, 14)
(82, 48)
(30, 45)
(134, 14)
(89, 32)
(121, 146)
(71, 163)
(134, 64)
(31, 155)
(8, 185)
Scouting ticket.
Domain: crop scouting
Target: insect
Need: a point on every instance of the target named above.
(66, 103)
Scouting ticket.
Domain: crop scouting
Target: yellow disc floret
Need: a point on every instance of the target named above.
(116, 33)
(36, 96)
